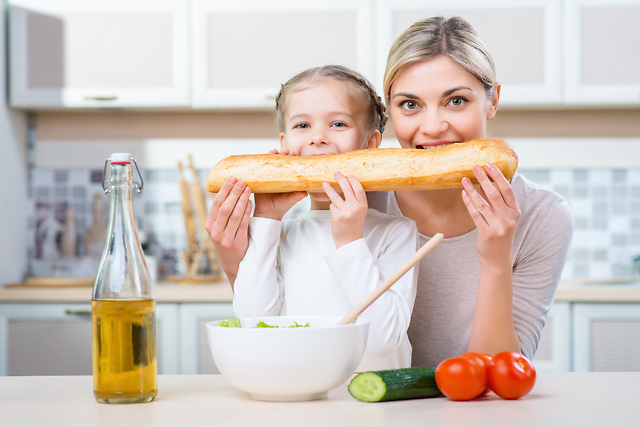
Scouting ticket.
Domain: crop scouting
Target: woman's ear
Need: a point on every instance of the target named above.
(374, 139)
(493, 102)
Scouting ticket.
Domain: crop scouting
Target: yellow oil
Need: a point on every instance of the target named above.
(124, 353)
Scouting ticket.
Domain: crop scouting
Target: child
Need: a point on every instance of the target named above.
(331, 258)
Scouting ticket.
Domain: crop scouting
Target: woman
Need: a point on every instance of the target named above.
(489, 285)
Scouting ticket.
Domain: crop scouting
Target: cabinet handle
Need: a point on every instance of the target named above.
(78, 312)
(100, 98)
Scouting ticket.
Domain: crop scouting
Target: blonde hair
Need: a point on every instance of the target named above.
(437, 36)
(361, 91)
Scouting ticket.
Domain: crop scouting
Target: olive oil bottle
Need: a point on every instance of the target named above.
(123, 302)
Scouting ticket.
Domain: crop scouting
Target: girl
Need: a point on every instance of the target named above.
(489, 285)
(327, 261)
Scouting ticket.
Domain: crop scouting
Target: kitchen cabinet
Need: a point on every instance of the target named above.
(86, 54)
(606, 337)
(524, 39)
(602, 52)
(244, 50)
(554, 348)
(195, 355)
(55, 338)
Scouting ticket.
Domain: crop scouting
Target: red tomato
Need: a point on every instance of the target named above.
(461, 378)
(511, 375)
(486, 359)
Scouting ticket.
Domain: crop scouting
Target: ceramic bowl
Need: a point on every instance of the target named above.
(288, 364)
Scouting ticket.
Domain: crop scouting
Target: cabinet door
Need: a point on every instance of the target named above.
(523, 38)
(554, 348)
(195, 355)
(96, 53)
(245, 49)
(602, 61)
(606, 337)
(55, 339)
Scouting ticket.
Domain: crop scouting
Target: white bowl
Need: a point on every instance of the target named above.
(288, 364)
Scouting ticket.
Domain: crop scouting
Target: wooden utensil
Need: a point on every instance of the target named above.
(197, 194)
(382, 288)
(187, 211)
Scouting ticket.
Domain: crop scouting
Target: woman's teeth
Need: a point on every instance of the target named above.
(431, 147)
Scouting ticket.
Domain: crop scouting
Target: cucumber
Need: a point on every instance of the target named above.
(395, 384)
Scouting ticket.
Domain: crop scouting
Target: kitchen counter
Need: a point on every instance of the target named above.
(570, 290)
(165, 292)
(558, 399)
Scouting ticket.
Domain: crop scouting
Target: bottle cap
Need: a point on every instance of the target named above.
(120, 159)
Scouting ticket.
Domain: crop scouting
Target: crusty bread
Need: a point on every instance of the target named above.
(378, 169)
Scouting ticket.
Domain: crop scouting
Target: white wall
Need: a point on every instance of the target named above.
(13, 180)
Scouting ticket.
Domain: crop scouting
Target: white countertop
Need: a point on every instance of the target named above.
(622, 290)
(558, 399)
(165, 292)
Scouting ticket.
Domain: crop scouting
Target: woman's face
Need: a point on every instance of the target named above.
(437, 102)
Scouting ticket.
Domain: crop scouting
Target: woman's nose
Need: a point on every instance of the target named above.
(433, 123)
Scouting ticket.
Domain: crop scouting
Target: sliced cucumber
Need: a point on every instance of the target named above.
(395, 384)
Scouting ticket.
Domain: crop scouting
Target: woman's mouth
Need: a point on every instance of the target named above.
(432, 146)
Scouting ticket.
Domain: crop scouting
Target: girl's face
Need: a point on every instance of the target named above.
(324, 119)
(438, 102)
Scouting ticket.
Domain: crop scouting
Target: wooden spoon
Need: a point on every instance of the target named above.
(415, 258)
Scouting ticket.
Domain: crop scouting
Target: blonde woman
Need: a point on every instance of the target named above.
(489, 285)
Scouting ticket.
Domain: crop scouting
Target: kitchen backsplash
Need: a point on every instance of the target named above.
(605, 204)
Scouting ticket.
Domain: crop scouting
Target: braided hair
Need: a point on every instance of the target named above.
(361, 89)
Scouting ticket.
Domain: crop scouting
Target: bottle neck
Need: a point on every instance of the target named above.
(123, 272)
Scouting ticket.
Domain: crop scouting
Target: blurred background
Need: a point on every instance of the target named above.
(167, 79)
(171, 81)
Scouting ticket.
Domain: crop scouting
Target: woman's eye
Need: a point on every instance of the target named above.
(409, 105)
(457, 101)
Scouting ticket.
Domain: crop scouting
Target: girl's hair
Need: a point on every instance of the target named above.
(361, 90)
(429, 38)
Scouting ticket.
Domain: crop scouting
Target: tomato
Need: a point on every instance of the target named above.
(511, 375)
(486, 359)
(461, 378)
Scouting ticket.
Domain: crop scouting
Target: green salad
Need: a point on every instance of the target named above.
(235, 323)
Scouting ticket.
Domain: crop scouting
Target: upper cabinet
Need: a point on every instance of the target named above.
(236, 54)
(243, 50)
(90, 53)
(523, 38)
(602, 52)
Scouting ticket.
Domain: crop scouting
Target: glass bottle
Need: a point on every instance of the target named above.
(123, 302)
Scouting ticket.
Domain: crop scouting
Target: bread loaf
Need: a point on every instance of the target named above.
(378, 169)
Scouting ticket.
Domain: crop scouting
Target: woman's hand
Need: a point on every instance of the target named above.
(228, 225)
(496, 215)
(347, 216)
(275, 205)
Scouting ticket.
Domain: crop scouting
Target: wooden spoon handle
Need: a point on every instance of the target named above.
(415, 258)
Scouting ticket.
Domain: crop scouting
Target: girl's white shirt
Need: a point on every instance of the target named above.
(292, 267)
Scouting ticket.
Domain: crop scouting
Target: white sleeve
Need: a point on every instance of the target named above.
(258, 289)
(358, 273)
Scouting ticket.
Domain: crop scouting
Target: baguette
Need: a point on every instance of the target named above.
(378, 169)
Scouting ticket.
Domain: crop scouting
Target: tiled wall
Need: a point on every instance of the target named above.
(605, 204)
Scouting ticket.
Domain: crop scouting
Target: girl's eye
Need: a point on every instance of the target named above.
(409, 104)
(457, 101)
(301, 126)
(339, 124)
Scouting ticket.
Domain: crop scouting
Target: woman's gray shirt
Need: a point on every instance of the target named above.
(448, 276)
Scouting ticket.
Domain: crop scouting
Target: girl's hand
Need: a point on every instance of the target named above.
(347, 216)
(228, 224)
(275, 205)
(496, 215)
